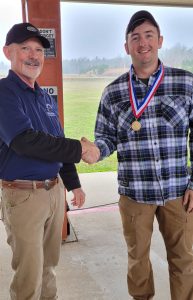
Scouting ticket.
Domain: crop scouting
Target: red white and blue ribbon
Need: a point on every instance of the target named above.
(139, 107)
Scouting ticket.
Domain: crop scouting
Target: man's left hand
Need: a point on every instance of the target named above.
(79, 197)
(188, 200)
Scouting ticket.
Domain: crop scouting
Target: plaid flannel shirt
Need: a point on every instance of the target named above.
(152, 162)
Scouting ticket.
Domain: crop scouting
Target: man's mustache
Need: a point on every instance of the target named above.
(32, 62)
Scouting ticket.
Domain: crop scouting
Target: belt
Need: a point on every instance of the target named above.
(30, 184)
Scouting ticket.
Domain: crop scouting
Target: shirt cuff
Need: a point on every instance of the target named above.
(190, 185)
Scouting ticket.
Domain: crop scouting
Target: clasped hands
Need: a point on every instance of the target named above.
(90, 152)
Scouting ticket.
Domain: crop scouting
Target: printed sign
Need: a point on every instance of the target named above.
(52, 91)
(50, 34)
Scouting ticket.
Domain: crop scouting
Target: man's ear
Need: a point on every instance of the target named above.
(160, 42)
(126, 48)
(6, 51)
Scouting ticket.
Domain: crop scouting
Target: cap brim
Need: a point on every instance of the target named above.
(45, 42)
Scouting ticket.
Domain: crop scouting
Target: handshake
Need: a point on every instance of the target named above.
(90, 152)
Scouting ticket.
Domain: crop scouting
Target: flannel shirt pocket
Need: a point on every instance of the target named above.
(174, 110)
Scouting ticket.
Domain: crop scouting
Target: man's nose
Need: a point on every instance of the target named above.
(33, 53)
(142, 41)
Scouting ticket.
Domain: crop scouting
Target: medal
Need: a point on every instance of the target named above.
(136, 125)
(138, 107)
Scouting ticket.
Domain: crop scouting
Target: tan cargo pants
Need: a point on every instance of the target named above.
(33, 220)
(176, 227)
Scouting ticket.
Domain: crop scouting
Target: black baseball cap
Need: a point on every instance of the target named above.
(24, 31)
(138, 18)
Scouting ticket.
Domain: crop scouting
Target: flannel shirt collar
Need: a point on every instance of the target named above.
(135, 77)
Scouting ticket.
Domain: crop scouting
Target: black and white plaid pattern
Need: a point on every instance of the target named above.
(152, 162)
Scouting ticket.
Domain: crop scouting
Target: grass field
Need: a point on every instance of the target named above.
(81, 100)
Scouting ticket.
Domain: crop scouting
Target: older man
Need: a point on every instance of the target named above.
(34, 156)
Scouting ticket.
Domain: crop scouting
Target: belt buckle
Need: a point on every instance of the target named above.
(47, 184)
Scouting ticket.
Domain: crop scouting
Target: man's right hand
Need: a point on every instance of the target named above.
(90, 152)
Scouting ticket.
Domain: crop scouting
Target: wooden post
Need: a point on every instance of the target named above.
(45, 15)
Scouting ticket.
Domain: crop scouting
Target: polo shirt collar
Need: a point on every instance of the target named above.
(13, 76)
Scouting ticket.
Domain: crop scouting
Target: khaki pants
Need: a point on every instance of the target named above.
(33, 220)
(176, 227)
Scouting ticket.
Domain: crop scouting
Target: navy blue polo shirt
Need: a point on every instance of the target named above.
(23, 108)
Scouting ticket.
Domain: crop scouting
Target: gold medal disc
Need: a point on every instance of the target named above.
(136, 125)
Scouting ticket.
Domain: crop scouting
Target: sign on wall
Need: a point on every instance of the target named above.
(52, 91)
(50, 34)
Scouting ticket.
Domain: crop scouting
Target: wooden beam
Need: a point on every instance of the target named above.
(45, 15)
(181, 3)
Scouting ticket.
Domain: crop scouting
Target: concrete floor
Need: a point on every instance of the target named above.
(93, 262)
